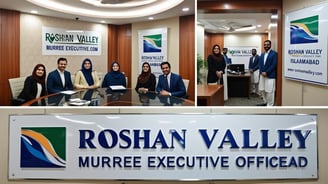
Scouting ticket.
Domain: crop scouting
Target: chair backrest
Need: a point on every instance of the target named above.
(186, 83)
(16, 86)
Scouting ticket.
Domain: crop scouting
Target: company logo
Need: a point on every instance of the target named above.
(43, 147)
(152, 43)
(304, 30)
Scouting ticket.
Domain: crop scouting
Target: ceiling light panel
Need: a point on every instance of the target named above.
(140, 11)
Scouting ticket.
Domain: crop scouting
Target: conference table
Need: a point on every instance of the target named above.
(108, 97)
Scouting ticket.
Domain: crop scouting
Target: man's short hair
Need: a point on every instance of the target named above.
(164, 63)
(61, 59)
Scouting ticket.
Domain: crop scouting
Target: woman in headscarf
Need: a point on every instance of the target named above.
(86, 78)
(216, 66)
(146, 80)
(114, 77)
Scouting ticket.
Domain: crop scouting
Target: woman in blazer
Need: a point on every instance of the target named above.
(34, 85)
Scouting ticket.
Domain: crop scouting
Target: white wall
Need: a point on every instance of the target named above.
(243, 40)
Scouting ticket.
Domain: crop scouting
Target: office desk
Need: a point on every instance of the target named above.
(239, 85)
(210, 95)
(107, 97)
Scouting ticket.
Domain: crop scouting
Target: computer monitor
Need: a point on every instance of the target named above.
(237, 67)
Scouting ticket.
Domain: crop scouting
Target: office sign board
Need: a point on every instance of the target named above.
(305, 57)
(57, 41)
(163, 147)
(153, 48)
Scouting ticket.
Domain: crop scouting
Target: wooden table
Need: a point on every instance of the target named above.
(210, 95)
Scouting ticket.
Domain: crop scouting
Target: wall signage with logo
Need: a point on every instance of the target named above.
(153, 48)
(163, 147)
(57, 41)
(306, 41)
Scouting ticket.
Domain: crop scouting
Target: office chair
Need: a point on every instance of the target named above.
(16, 87)
(186, 83)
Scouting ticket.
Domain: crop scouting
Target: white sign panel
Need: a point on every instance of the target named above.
(306, 45)
(163, 147)
(153, 48)
(57, 41)
(241, 55)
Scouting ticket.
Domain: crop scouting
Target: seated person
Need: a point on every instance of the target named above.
(59, 79)
(114, 77)
(86, 78)
(170, 84)
(34, 85)
(146, 80)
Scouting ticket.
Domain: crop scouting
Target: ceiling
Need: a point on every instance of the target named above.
(234, 22)
(105, 11)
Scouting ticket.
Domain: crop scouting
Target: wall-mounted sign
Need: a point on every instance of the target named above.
(241, 55)
(57, 41)
(153, 48)
(163, 147)
(306, 45)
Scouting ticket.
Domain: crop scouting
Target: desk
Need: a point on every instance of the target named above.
(107, 97)
(239, 85)
(210, 95)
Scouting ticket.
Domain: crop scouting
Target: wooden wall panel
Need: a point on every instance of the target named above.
(187, 56)
(212, 39)
(119, 48)
(10, 55)
(125, 50)
(112, 44)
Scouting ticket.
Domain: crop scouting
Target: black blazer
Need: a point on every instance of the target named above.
(30, 89)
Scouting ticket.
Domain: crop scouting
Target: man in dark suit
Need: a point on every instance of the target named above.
(253, 68)
(59, 79)
(226, 58)
(170, 84)
(268, 74)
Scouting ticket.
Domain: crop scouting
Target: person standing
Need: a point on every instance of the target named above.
(216, 66)
(170, 84)
(226, 58)
(34, 85)
(59, 79)
(146, 80)
(114, 77)
(253, 68)
(268, 74)
(86, 78)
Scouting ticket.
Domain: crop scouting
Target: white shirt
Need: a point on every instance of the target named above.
(62, 77)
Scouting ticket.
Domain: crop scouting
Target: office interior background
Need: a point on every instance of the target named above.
(292, 93)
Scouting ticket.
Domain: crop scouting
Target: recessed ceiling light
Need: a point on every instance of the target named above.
(102, 21)
(150, 18)
(34, 11)
(185, 9)
(274, 16)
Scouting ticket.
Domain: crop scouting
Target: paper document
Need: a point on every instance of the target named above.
(68, 92)
(118, 87)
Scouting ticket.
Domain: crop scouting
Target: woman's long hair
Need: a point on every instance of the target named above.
(41, 79)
